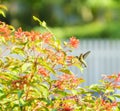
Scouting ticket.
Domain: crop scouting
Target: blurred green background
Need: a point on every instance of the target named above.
(66, 18)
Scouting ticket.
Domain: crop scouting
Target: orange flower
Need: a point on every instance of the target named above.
(5, 30)
(108, 105)
(118, 78)
(32, 35)
(114, 103)
(19, 33)
(46, 37)
(67, 107)
(59, 85)
(60, 60)
(74, 42)
(66, 77)
(67, 81)
(60, 57)
(43, 72)
(69, 60)
(70, 57)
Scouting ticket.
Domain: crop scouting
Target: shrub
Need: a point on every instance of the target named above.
(35, 75)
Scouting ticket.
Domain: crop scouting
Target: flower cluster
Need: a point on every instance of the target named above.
(32, 36)
(108, 106)
(5, 30)
(112, 81)
(68, 81)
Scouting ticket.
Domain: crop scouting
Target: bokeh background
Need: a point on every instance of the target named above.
(95, 22)
(81, 18)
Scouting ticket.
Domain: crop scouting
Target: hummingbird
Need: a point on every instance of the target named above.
(80, 59)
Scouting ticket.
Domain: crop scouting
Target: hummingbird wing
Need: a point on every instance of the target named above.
(86, 54)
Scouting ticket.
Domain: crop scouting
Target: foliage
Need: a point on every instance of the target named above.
(35, 75)
(90, 14)
(1, 10)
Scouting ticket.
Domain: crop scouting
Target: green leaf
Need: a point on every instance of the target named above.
(43, 108)
(40, 90)
(2, 40)
(25, 66)
(15, 69)
(21, 102)
(1, 62)
(111, 98)
(74, 92)
(2, 13)
(17, 50)
(11, 28)
(109, 90)
(46, 65)
(20, 93)
(96, 87)
(117, 95)
(64, 70)
(7, 77)
(3, 7)
(62, 93)
(1, 93)
(117, 108)
(43, 24)
(57, 45)
(82, 90)
(1, 10)
(49, 68)
(44, 90)
(36, 19)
